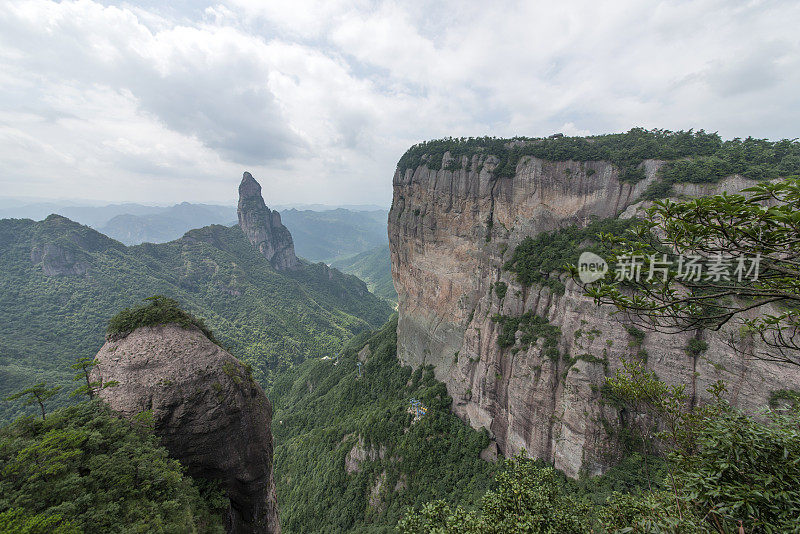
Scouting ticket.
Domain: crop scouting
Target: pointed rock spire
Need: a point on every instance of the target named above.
(263, 227)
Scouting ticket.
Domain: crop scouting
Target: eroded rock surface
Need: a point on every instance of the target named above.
(451, 233)
(208, 411)
(61, 247)
(263, 226)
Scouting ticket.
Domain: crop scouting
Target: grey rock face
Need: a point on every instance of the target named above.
(59, 260)
(263, 227)
(63, 247)
(450, 233)
(207, 410)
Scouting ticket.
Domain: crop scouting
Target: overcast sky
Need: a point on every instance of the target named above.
(319, 99)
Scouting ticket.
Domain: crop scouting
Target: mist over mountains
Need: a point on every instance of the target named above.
(321, 233)
(130, 223)
(351, 238)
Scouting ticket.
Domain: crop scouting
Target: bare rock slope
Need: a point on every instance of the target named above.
(451, 232)
(207, 410)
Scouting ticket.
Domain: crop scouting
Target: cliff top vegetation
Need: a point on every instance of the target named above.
(695, 156)
(159, 310)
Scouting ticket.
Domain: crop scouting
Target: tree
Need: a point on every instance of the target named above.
(727, 470)
(85, 469)
(84, 367)
(38, 394)
(748, 243)
(530, 497)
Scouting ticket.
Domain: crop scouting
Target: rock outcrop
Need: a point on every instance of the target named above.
(208, 411)
(263, 226)
(451, 231)
(59, 260)
(62, 247)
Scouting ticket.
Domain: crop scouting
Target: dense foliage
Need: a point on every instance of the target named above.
(159, 310)
(85, 470)
(745, 250)
(541, 259)
(374, 267)
(693, 156)
(323, 411)
(530, 498)
(532, 327)
(725, 471)
(270, 319)
(726, 468)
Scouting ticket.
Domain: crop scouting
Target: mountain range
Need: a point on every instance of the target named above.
(61, 281)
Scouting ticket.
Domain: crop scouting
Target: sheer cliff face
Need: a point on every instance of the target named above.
(450, 234)
(263, 227)
(207, 410)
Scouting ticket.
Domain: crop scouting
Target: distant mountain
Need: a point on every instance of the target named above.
(166, 224)
(94, 216)
(331, 234)
(128, 222)
(330, 207)
(60, 282)
(374, 267)
(320, 233)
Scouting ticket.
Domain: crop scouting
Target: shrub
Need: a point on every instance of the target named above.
(85, 469)
(500, 289)
(536, 258)
(159, 310)
(695, 347)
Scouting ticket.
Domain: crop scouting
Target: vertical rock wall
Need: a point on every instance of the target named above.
(450, 233)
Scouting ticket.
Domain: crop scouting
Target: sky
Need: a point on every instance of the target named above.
(171, 101)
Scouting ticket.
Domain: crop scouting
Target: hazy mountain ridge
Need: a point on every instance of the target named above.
(327, 235)
(129, 223)
(320, 232)
(374, 267)
(167, 224)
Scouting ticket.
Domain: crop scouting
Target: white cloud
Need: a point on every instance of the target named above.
(320, 98)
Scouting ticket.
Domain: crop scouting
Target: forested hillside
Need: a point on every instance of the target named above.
(329, 234)
(84, 469)
(349, 454)
(60, 282)
(374, 267)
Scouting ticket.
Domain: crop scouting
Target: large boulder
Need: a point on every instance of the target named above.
(206, 408)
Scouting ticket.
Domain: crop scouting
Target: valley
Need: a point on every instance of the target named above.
(497, 375)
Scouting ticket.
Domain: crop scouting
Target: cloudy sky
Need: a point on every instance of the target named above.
(318, 99)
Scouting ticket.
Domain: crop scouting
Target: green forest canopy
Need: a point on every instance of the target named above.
(696, 156)
(84, 469)
(321, 411)
(270, 319)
